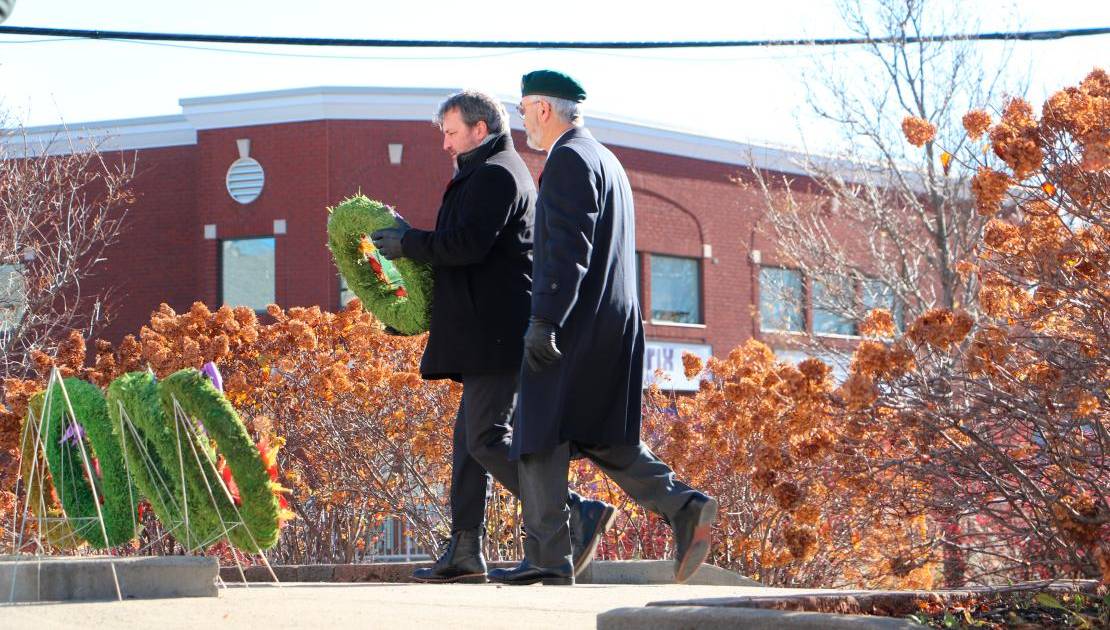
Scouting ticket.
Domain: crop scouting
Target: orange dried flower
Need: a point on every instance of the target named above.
(989, 187)
(1016, 141)
(940, 328)
(787, 496)
(801, 541)
(877, 323)
(691, 364)
(1002, 236)
(858, 391)
(976, 122)
(918, 131)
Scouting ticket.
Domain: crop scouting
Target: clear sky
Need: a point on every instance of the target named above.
(738, 94)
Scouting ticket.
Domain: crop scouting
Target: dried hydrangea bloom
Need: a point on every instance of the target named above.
(976, 122)
(1016, 140)
(918, 131)
(989, 187)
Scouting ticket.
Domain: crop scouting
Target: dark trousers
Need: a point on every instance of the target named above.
(543, 482)
(483, 434)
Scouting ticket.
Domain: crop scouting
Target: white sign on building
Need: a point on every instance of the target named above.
(667, 357)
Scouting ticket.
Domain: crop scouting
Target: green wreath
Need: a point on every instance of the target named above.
(399, 293)
(199, 399)
(64, 441)
(150, 447)
(38, 487)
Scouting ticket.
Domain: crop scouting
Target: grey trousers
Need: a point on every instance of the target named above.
(543, 483)
(483, 434)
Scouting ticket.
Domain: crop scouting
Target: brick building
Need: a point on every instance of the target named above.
(232, 195)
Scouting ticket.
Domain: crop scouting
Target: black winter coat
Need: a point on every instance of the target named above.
(584, 280)
(481, 257)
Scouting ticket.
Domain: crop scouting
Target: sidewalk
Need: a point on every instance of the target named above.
(317, 605)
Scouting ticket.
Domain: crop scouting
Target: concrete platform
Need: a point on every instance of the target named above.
(599, 572)
(90, 578)
(391, 606)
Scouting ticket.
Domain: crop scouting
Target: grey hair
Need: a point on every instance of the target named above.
(566, 109)
(474, 106)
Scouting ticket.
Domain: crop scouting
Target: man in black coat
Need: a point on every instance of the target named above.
(480, 252)
(584, 347)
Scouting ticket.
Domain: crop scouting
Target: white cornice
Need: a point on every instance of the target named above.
(108, 135)
(315, 103)
(377, 103)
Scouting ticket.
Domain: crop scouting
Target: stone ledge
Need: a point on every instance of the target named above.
(599, 572)
(721, 618)
(90, 578)
(886, 603)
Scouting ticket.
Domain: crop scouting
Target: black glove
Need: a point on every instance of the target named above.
(540, 350)
(388, 242)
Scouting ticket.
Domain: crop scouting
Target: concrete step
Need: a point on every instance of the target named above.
(722, 618)
(599, 572)
(40, 579)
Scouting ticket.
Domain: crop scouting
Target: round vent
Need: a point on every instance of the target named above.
(245, 179)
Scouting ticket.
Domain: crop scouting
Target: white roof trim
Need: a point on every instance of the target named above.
(378, 103)
(109, 135)
(317, 103)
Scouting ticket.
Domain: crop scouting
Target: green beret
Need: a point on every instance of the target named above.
(552, 83)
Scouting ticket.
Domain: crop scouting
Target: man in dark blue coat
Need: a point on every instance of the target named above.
(480, 252)
(584, 347)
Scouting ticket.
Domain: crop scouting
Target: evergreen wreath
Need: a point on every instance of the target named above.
(93, 431)
(151, 451)
(398, 292)
(248, 480)
(38, 487)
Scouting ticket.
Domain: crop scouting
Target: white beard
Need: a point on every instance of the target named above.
(533, 143)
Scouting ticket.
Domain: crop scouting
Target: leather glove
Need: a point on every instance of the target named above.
(540, 348)
(388, 242)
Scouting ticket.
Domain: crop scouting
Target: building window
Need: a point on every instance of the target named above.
(675, 290)
(345, 292)
(832, 298)
(247, 273)
(780, 300)
(876, 294)
(13, 297)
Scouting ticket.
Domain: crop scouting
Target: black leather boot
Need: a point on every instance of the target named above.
(461, 562)
(528, 573)
(589, 520)
(693, 529)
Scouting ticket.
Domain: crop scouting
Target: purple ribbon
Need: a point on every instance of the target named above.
(73, 433)
(213, 373)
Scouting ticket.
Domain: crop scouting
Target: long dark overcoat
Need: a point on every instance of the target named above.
(584, 280)
(481, 257)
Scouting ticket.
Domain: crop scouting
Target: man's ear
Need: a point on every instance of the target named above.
(482, 127)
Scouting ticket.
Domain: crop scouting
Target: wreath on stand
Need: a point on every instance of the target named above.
(42, 499)
(179, 443)
(87, 465)
(398, 292)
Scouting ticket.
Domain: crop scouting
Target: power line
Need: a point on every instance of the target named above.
(439, 43)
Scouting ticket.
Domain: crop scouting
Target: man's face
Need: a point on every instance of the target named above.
(458, 137)
(529, 110)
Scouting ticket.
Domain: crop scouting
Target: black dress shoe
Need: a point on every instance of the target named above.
(589, 520)
(461, 561)
(693, 529)
(527, 573)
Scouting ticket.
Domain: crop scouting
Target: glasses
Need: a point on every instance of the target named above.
(520, 108)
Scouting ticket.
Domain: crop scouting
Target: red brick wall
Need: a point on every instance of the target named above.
(155, 259)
